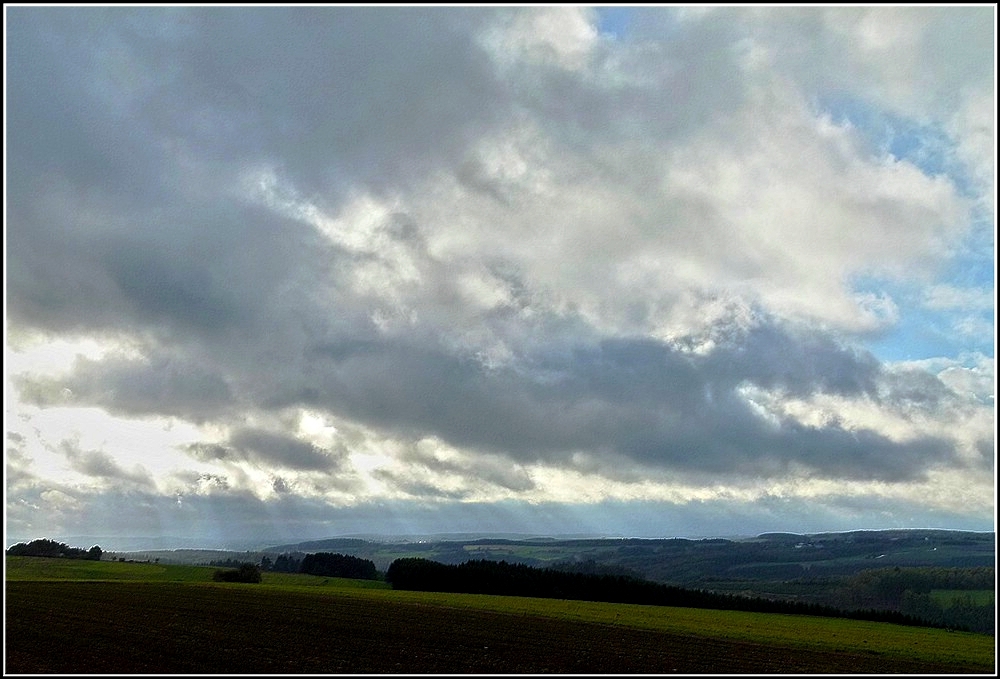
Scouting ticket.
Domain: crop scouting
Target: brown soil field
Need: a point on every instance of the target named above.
(140, 628)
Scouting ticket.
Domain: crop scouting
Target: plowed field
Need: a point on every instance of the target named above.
(147, 627)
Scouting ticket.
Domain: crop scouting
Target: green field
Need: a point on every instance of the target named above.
(132, 617)
(40, 568)
(978, 597)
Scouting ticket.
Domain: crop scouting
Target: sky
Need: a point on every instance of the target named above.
(284, 273)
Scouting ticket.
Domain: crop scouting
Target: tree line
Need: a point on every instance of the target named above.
(53, 549)
(338, 566)
(327, 564)
(514, 579)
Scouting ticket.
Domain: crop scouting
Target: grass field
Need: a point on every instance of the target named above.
(141, 618)
(979, 597)
(38, 568)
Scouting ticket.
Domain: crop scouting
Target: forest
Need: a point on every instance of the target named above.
(482, 576)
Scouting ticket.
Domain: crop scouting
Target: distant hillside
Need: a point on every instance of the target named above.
(678, 561)
(686, 561)
(943, 575)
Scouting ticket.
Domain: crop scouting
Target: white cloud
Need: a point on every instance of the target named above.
(977, 381)
(59, 501)
(974, 128)
(563, 36)
(966, 299)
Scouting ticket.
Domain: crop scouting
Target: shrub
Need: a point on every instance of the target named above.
(247, 572)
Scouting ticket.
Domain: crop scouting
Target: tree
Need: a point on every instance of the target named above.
(48, 548)
(248, 572)
(95, 552)
(286, 563)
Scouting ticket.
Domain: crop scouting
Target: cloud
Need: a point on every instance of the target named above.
(950, 297)
(266, 448)
(979, 380)
(239, 518)
(489, 246)
(203, 268)
(128, 386)
(637, 398)
(563, 37)
(431, 468)
(102, 467)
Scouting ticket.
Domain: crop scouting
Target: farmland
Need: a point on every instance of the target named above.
(941, 577)
(65, 616)
(42, 569)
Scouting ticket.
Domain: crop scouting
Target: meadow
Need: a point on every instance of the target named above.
(94, 617)
(980, 597)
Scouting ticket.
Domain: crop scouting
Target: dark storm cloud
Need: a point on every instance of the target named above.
(214, 271)
(915, 390)
(986, 448)
(282, 450)
(637, 398)
(347, 92)
(99, 465)
(134, 124)
(133, 387)
(797, 362)
(212, 452)
(159, 289)
(268, 449)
